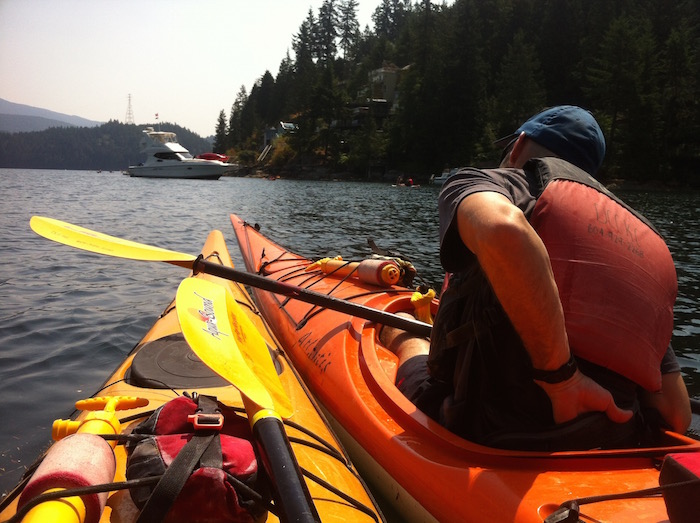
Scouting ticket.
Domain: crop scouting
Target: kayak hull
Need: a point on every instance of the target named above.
(429, 473)
(161, 366)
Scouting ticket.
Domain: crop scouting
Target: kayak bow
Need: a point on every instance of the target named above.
(162, 367)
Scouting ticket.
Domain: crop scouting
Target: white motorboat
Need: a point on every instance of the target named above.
(166, 158)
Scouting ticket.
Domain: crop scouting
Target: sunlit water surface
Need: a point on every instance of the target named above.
(67, 317)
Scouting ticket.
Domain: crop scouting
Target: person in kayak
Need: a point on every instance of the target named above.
(559, 303)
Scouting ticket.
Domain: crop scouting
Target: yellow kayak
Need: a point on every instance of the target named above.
(159, 369)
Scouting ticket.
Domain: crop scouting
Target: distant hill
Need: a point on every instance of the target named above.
(20, 118)
(20, 123)
(112, 146)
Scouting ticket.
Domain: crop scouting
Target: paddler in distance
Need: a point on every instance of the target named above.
(559, 304)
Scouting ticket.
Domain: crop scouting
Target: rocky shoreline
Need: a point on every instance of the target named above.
(326, 174)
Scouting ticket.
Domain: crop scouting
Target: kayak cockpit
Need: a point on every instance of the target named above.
(379, 367)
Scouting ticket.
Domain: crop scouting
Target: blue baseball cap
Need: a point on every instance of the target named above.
(569, 132)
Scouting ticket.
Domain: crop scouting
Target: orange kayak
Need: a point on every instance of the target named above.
(429, 473)
(162, 367)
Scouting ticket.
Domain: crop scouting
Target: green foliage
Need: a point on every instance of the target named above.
(220, 138)
(468, 73)
(247, 157)
(282, 153)
(474, 70)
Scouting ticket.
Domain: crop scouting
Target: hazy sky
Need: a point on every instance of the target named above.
(183, 59)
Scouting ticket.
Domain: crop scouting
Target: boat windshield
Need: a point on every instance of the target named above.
(168, 156)
(162, 137)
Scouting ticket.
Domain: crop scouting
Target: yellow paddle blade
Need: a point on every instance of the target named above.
(226, 340)
(93, 241)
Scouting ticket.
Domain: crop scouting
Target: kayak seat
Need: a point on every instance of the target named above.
(592, 430)
(170, 363)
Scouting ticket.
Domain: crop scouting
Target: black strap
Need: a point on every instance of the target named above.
(177, 474)
(175, 478)
(559, 375)
(213, 455)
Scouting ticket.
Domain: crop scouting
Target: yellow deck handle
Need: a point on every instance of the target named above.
(65, 510)
(101, 420)
(421, 305)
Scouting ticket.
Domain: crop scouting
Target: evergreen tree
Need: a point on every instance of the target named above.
(325, 108)
(680, 92)
(327, 30)
(349, 27)
(251, 126)
(264, 104)
(463, 86)
(389, 18)
(417, 131)
(473, 70)
(304, 47)
(220, 138)
(235, 131)
(283, 104)
(518, 87)
(559, 46)
(620, 83)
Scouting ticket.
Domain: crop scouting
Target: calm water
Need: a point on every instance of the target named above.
(68, 317)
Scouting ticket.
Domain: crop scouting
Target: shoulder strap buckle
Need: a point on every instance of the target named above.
(207, 416)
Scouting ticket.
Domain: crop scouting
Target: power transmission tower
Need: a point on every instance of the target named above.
(129, 113)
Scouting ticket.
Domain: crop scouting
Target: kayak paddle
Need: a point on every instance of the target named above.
(225, 339)
(82, 238)
(93, 241)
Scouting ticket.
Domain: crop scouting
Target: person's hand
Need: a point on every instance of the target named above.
(580, 394)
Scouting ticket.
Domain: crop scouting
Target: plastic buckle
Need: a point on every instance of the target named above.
(206, 421)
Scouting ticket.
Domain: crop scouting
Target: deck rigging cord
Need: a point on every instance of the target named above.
(317, 276)
(569, 511)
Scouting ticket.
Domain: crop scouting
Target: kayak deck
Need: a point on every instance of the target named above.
(162, 366)
(432, 474)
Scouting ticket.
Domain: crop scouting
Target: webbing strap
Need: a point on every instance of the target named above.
(177, 474)
(175, 478)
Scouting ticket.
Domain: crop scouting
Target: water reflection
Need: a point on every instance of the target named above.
(69, 317)
(677, 217)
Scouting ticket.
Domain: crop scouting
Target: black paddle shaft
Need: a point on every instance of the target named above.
(291, 493)
(315, 298)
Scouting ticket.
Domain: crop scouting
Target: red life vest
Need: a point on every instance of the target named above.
(616, 278)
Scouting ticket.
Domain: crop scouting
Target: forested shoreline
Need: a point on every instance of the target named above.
(468, 73)
(110, 147)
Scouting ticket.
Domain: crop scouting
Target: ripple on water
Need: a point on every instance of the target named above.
(69, 317)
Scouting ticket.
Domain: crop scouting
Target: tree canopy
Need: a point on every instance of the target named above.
(431, 86)
(471, 72)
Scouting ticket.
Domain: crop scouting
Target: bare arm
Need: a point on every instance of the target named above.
(671, 401)
(517, 265)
